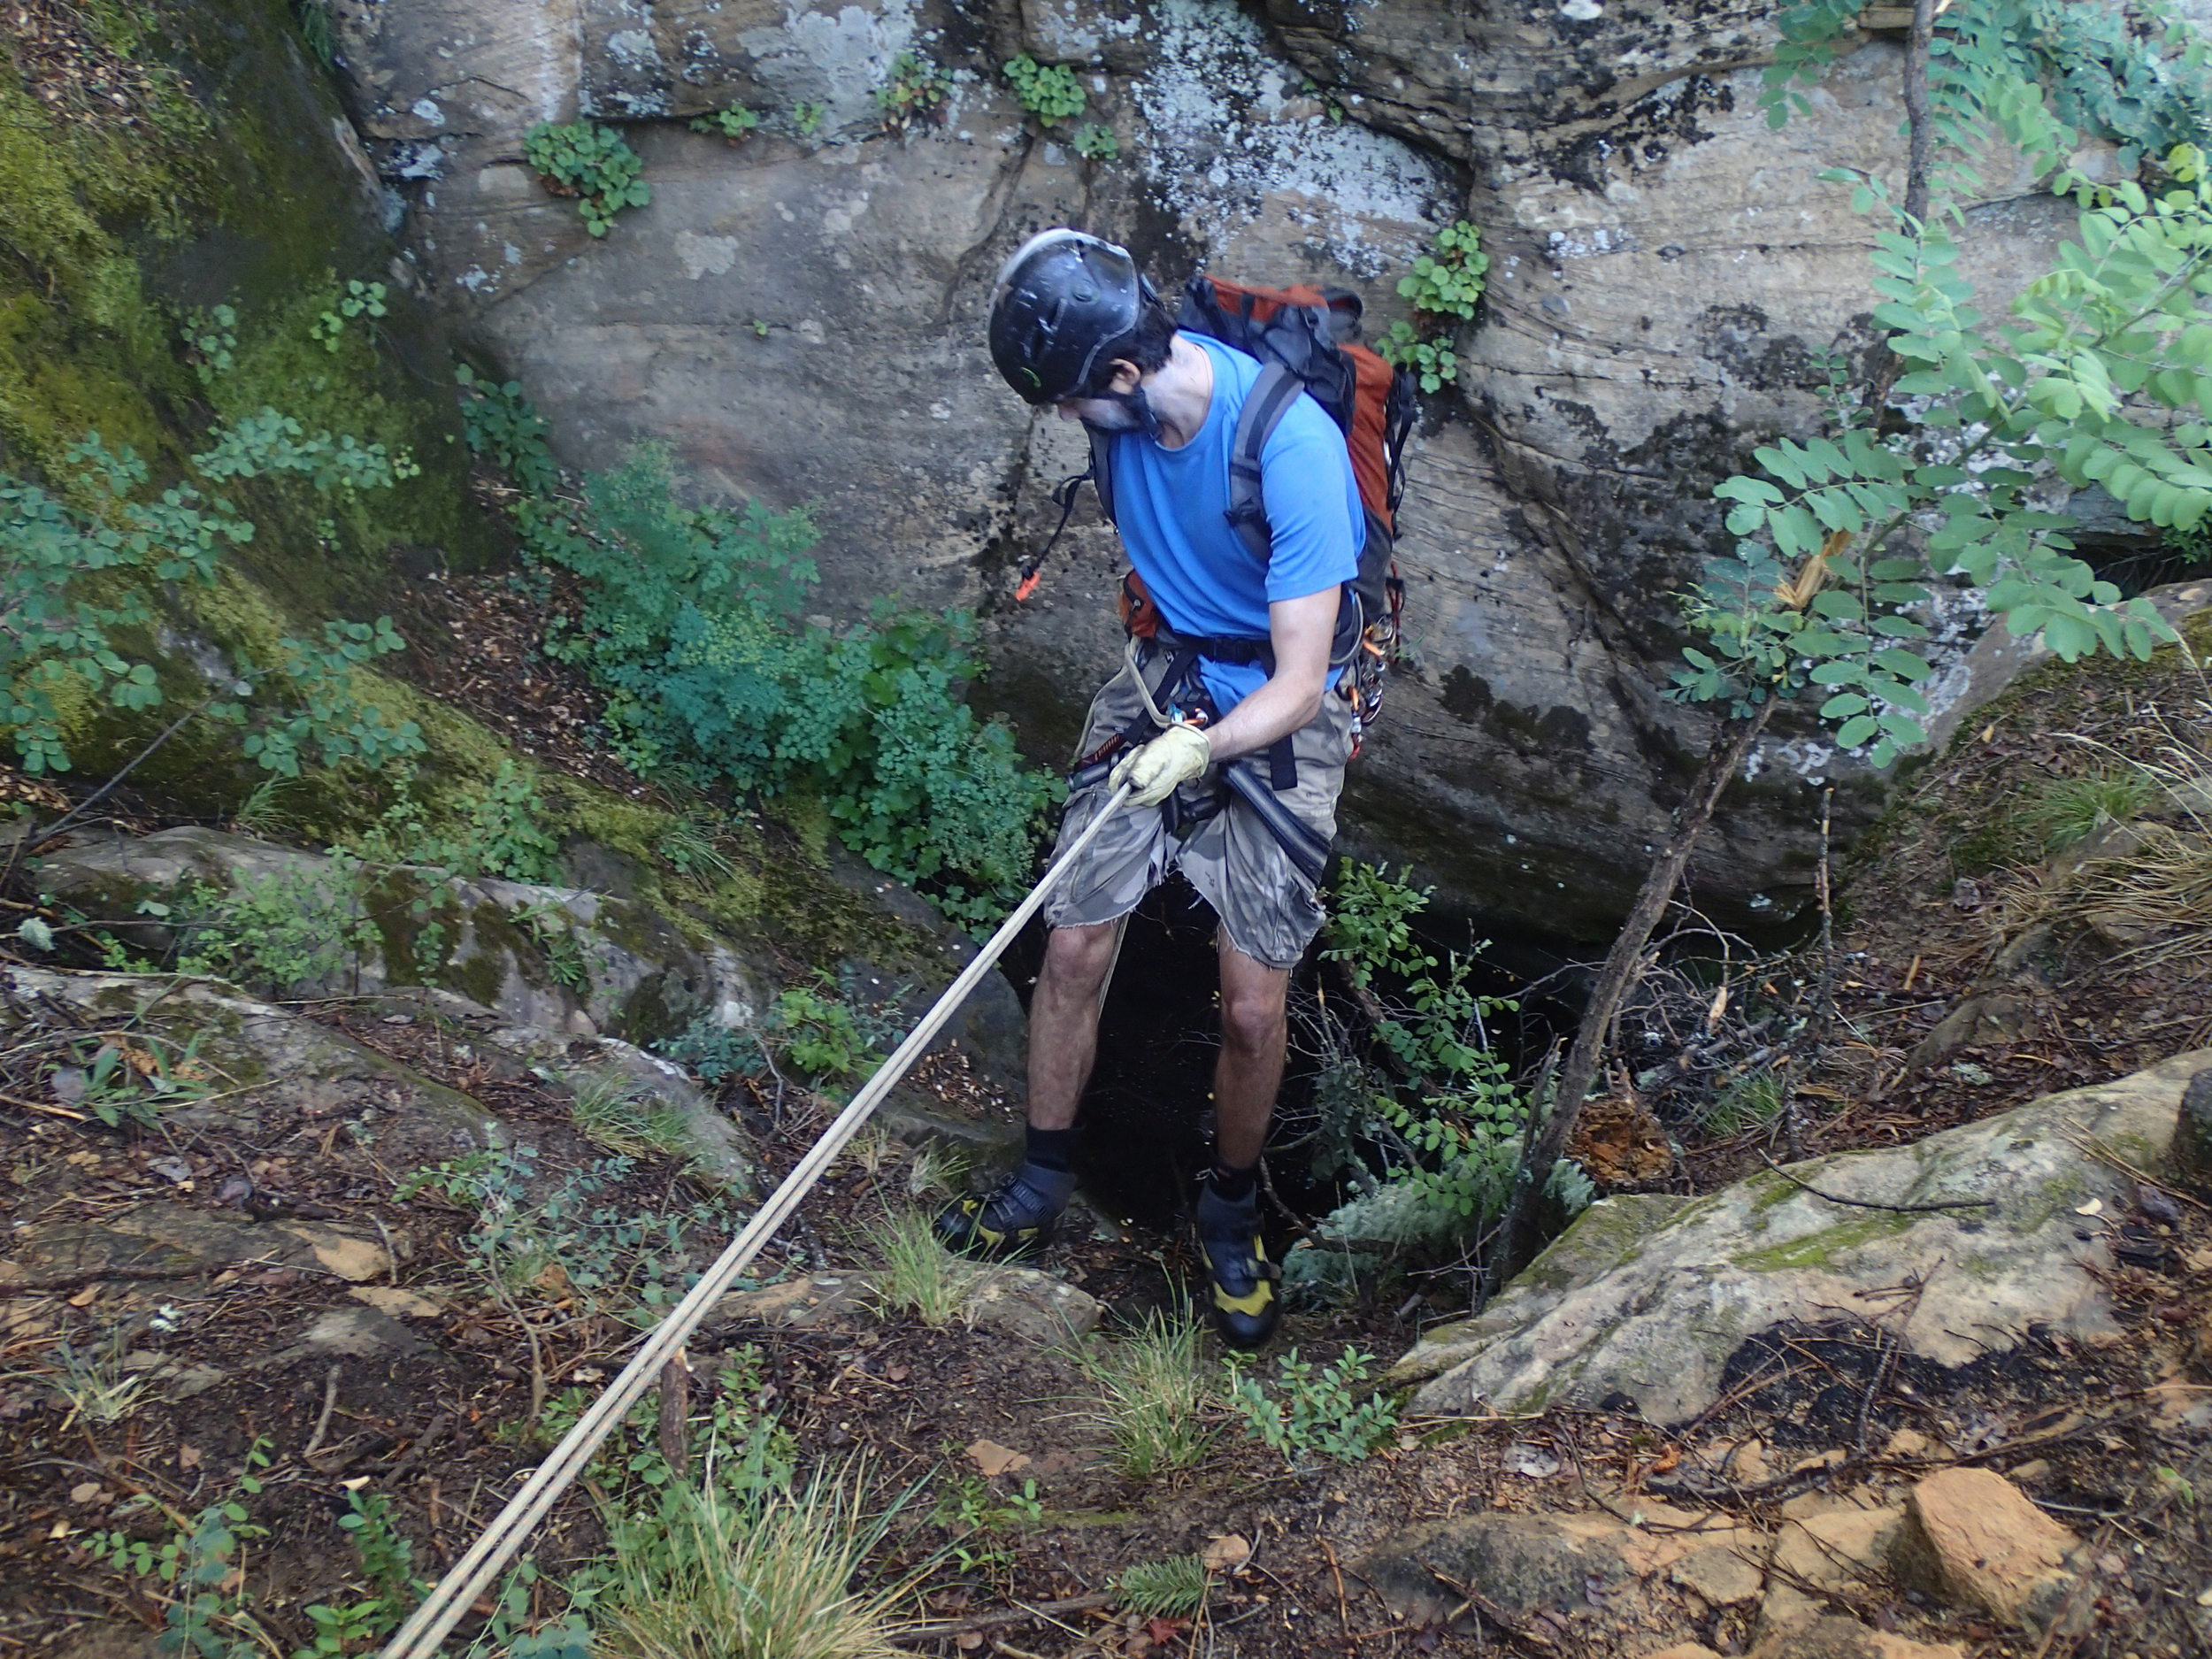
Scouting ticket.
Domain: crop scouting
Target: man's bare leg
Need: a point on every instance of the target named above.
(1254, 1030)
(1017, 1213)
(1254, 1033)
(1063, 1021)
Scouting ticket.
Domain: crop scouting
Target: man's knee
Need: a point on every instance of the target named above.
(1077, 958)
(1252, 1016)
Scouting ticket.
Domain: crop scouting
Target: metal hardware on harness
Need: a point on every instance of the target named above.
(472, 1574)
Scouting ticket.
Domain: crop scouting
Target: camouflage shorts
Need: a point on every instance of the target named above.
(1265, 902)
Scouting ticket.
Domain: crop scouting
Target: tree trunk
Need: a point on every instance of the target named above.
(1723, 762)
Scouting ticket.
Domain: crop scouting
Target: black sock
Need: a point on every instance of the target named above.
(1234, 1186)
(1052, 1149)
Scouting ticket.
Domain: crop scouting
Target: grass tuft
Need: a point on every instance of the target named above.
(611, 1114)
(1154, 1404)
(2066, 810)
(918, 1275)
(767, 1577)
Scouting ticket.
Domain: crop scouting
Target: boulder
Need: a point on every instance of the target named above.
(540, 956)
(1829, 1545)
(800, 315)
(1650, 1296)
(1837, 1637)
(1984, 1545)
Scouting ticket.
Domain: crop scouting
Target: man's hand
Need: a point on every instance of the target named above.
(1155, 770)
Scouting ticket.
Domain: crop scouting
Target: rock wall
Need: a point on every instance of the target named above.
(800, 316)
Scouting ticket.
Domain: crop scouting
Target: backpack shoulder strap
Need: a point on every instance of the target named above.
(1264, 406)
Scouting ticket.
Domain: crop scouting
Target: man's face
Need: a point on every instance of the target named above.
(1100, 414)
(1104, 414)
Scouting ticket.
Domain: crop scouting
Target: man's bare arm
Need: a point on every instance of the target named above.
(1302, 630)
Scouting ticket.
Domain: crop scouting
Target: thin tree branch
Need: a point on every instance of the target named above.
(1723, 762)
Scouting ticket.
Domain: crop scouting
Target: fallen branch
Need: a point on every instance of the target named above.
(1868, 1203)
(1006, 1616)
(1475, 1602)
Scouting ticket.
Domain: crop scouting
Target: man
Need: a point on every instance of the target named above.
(1239, 673)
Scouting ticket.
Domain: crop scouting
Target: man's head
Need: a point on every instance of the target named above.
(1074, 324)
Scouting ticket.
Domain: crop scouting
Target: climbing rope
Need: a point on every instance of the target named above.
(420, 1637)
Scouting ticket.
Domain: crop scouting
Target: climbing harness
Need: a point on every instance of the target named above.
(426, 1628)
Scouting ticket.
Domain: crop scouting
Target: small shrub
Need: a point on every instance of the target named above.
(1154, 1405)
(737, 123)
(1447, 281)
(1096, 142)
(1049, 91)
(276, 933)
(591, 163)
(821, 1034)
(1314, 1413)
(916, 91)
(1172, 1589)
(918, 1277)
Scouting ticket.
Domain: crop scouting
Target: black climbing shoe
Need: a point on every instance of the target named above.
(1246, 1308)
(1012, 1218)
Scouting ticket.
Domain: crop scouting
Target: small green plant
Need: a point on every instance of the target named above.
(1314, 1413)
(631, 1263)
(1153, 1404)
(736, 123)
(917, 1276)
(591, 163)
(2065, 810)
(211, 340)
(1751, 1101)
(1172, 1589)
(1049, 91)
(554, 933)
(134, 1079)
(355, 299)
(807, 117)
(1094, 143)
(207, 1614)
(1433, 362)
(821, 1034)
(502, 423)
(75, 577)
(1447, 281)
(916, 91)
(715, 1051)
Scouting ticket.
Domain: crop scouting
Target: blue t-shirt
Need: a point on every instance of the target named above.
(1171, 507)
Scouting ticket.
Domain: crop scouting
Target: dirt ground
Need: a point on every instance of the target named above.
(2106, 1440)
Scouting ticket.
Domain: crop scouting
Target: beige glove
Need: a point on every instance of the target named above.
(1155, 770)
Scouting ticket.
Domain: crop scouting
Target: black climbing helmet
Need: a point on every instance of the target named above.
(1060, 307)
